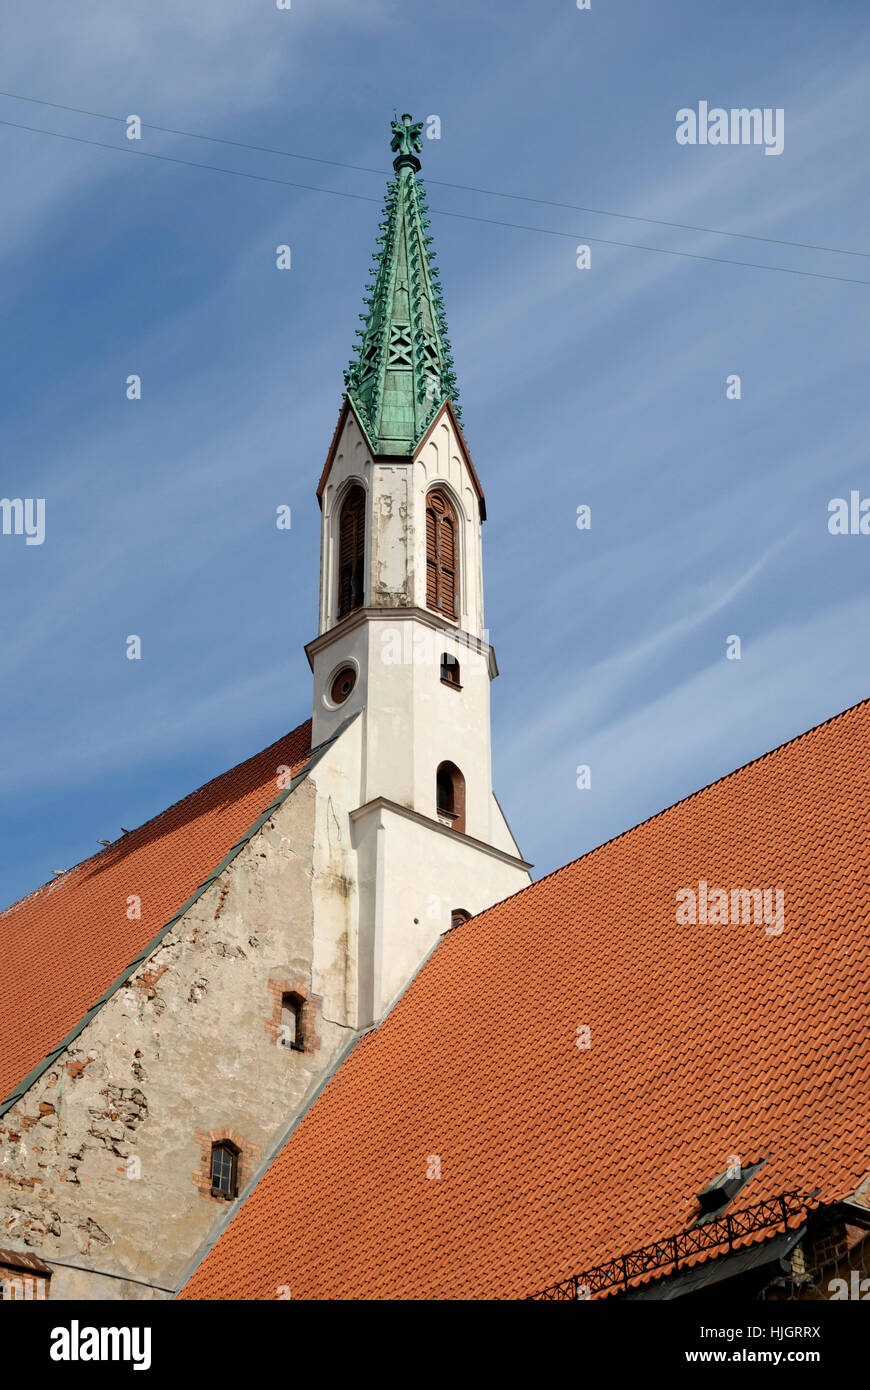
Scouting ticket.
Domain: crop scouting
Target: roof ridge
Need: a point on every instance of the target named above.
(151, 819)
(681, 801)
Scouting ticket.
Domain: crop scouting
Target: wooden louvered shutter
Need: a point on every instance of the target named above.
(447, 558)
(441, 585)
(431, 559)
(351, 550)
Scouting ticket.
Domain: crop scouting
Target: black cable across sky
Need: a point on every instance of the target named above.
(442, 183)
(439, 212)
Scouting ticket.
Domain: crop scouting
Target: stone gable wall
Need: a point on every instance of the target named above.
(101, 1161)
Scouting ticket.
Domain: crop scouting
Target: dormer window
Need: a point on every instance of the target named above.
(351, 551)
(718, 1194)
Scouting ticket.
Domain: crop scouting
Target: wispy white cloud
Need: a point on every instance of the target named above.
(606, 384)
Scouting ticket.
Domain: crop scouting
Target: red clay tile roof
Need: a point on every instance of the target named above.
(65, 944)
(706, 1041)
(24, 1259)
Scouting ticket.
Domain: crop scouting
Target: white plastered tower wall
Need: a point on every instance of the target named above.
(407, 870)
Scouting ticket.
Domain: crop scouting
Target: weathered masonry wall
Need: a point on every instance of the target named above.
(101, 1160)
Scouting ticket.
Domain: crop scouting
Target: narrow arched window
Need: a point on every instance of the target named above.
(351, 551)
(450, 796)
(224, 1170)
(292, 1032)
(442, 586)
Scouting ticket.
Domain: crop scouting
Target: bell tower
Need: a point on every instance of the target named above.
(401, 637)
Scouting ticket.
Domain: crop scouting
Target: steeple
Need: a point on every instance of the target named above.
(404, 372)
(412, 836)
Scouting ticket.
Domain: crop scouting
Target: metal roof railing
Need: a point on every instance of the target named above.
(675, 1250)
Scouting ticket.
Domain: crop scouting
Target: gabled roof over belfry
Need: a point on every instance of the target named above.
(446, 412)
(404, 372)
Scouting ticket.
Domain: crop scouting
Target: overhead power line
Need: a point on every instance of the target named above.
(442, 183)
(439, 212)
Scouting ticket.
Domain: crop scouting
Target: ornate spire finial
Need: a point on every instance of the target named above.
(402, 371)
(407, 140)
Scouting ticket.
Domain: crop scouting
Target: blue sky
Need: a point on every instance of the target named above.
(606, 387)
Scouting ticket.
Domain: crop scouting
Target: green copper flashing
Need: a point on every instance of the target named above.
(404, 372)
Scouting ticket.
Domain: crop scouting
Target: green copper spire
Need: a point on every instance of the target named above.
(404, 372)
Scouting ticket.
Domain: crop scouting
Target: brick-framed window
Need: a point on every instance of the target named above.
(227, 1156)
(292, 1032)
(293, 1016)
(224, 1170)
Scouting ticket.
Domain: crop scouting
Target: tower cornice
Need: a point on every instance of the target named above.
(383, 803)
(459, 637)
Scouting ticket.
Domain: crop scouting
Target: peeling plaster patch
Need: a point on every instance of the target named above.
(197, 990)
(229, 952)
(147, 979)
(225, 888)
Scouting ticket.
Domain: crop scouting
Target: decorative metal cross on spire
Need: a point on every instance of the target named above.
(407, 140)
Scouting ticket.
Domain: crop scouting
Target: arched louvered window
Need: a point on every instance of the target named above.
(442, 549)
(351, 551)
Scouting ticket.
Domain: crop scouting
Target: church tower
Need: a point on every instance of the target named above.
(291, 899)
(401, 637)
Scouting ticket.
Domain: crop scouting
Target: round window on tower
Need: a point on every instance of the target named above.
(343, 684)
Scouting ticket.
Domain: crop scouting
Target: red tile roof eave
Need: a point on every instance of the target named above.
(25, 1260)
